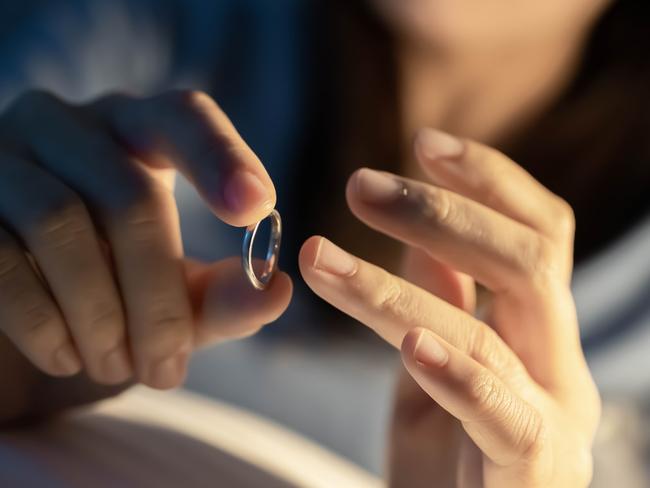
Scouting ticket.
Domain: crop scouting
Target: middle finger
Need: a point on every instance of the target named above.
(502, 254)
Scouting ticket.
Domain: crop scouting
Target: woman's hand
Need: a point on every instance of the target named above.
(516, 382)
(92, 271)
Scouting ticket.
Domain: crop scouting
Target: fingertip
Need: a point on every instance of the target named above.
(66, 361)
(278, 295)
(409, 343)
(243, 210)
(244, 192)
(351, 185)
(309, 253)
(352, 192)
(230, 307)
(116, 367)
(241, 195)
(432, 145)
(424, 348)
(417, 145)
(167, 373)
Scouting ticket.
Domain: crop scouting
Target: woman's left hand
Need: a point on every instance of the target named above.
(517, 383)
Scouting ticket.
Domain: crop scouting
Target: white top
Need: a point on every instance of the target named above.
(169, 439)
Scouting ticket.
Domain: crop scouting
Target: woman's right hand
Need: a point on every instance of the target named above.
(92, 271)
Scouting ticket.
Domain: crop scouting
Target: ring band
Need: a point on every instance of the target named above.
(272, 253)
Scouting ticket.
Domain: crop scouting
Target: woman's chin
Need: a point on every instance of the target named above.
(435, 23)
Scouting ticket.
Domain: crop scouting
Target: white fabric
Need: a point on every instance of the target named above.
(169, 439)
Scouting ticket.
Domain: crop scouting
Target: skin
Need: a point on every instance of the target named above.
(480, 69)
(503, 401)
(515, 385)
(94, 286)
(470, 26)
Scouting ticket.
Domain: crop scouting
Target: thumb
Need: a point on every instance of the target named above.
(225, 304)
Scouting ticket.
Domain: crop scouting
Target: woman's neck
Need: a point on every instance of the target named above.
(482, 96)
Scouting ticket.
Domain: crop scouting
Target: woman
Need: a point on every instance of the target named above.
(518, 407)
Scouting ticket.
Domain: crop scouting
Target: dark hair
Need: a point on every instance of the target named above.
(352, 121)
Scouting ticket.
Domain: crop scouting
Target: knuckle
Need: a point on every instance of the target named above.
(19, 297)
(9, 264)
(584, 467)
(443, 213)
(105, 323)
(206, 128)
(492, 188)
(198, 110)
(537, 259)
(142, 216)
(61, 222)
(487, 395)
(129, 192)
(533, 436)
(191, 100)
(390, 298)
(168, 331)
(42, 325)
(483, 348)
(436, 207)
(487, 348)
(564, 218)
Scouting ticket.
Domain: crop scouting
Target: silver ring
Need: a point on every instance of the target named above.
(272, 253)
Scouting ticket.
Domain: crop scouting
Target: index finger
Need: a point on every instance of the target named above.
(392, 306)
(188, 130)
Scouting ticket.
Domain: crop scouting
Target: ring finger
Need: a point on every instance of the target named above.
(28, 315)
(59, 233)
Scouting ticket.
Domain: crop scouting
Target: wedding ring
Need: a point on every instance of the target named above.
(272, 253)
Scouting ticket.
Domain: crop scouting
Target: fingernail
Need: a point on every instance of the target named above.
(376, 187)
(429, 351)
(244, 192)
(116, 365)
(332, 259)
(169, 372)
(67, 360)
(434, 144)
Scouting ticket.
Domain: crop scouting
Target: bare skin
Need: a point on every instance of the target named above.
(507, 401)
(474, 407)
(478, 70)
(94, 286)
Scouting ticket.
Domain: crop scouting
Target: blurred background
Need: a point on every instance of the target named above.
(317, 89)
